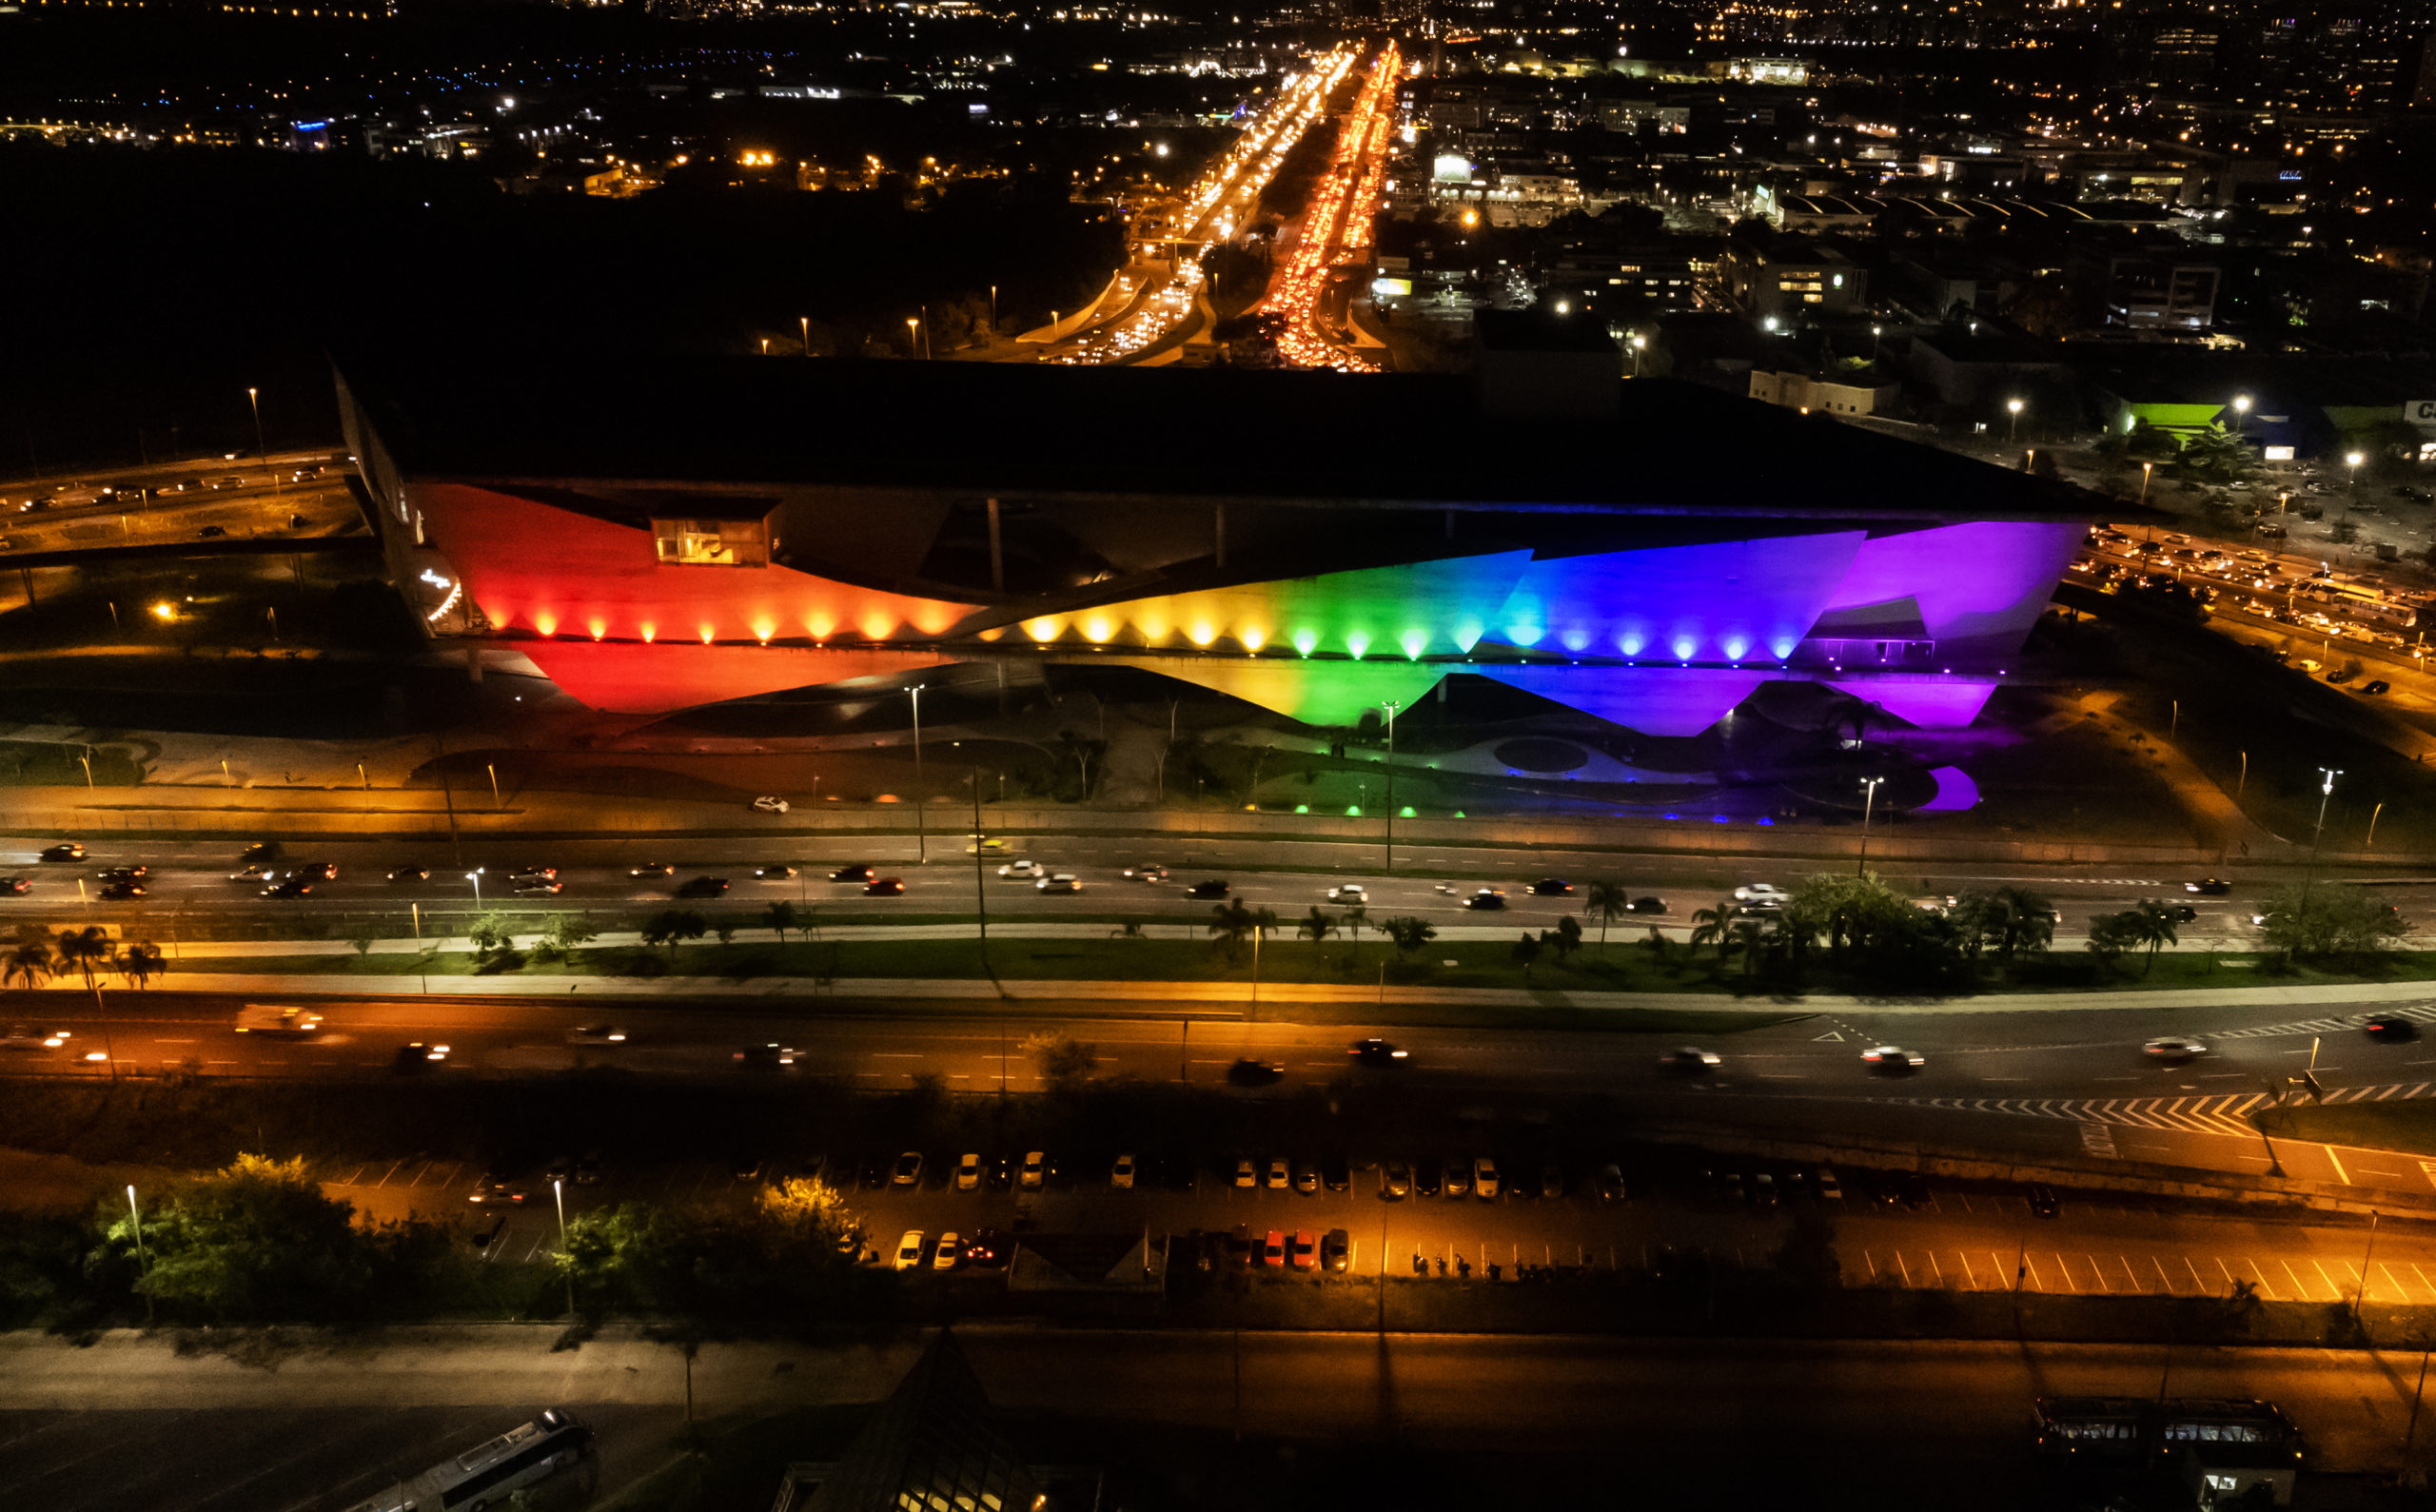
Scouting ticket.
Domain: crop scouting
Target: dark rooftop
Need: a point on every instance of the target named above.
(1314, 437)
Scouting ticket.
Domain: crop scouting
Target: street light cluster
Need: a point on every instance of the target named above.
(1343, 208)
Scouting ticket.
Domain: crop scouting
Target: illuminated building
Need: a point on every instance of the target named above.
(664, 533)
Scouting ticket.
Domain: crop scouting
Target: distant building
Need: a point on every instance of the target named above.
(1863, 392)
(1793, 276)
(2152, 291)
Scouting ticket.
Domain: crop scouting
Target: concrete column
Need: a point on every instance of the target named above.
(997, 554)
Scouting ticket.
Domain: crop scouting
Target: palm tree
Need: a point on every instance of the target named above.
(1356, 915)
(30, 963)
(1232, 923)
(88, 951)
(1608, 902)
(1527, 950)
(2152, 924)
(1714, 926)
(141, 962)
(780, 918)
(1316, 926)
(1748, 933)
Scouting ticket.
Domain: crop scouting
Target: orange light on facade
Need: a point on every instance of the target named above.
(546, 623)
(598, 628)
(650, 632)
(706, 634)
(1041, 629)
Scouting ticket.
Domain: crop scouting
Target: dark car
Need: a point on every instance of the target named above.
(1336, 1174)
(768, 1055)
(15, 884)
(774, 873)
(1551, 887)
(417, 1056)
(1336, 1250)
(410, 874)
(652, 868)
(2392, 1028)
(1487, 898)
(2183, 912)
(1209, 889)
(261, 850)
(884, 887)
(2209, 887)
(65, 850)
(1375, 1053)
(2043, 1203)
(318, 872)
(1911, 1190)
(1552, 1182)
(1647, 905)
(125, 873)
(212, 532)
(1425, 1179)
(291, 885)
(985, 1251)
(701, 887)
(2376, 685)
(121, 892)
(1250, 1072)
(1690, 1060)
(851, 874)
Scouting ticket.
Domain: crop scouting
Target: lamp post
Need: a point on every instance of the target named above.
(253, 399)
(1640, 344)
(2352, 459)
(912, 336)
(921, 831)
(2012, 422)
(559, 1194)
(475, 877)
(1875, 332)
(2326, 790)
(2241, 413)
(1869, 801)
(2145, 468)
(807, 334)
(143, 1264)
(1390, 707)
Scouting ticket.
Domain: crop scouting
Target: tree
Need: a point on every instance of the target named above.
(141, 962)
(1355, 916)
(1714, 926)
(1063, 1059)
(256, 1240)
(570, 933)
(2006, 920)
(1410, 934)
(2214, 456)
(1527, 950)
(2154, 924)
(2111, 935)
(490, 936)
(1233, 924)
(1565, 939)
(778, 918)
(1316, 926)
(2329, 921)
(1607, 902)
(30, 963)
(86, 950)
(671, 927)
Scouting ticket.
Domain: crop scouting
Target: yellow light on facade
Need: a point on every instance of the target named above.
(1041, 629)
(650, 633)
(1254, 638)
(1201, 635)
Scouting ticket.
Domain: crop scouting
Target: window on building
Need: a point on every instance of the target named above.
(711, 543)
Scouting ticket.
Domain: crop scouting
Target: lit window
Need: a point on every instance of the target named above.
(711, 543)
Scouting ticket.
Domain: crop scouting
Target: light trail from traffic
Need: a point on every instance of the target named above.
(1339, 222)
(1219, 204)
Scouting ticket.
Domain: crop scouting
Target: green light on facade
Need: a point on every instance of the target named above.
(1302, 808)
(1414, 642)
(1353, 811)
(1406, 813)
(1306, 641)
(1358, 642)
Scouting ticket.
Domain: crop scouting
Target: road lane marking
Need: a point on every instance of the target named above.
(2037, 1283)
(1905, 1268)
(2163, 1279)
(2064, 1265)
(2337, 1162)
(1970, 1280)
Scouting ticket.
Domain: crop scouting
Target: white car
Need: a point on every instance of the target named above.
(1034, 1171)
(1023, 868)
(2174, 1051)
(1762, 894)
(769, 805)
(1484, 1178)
(951, 1250)
(968, 1173)
(1121, 1174)
(1349, 893)
(909, 1249)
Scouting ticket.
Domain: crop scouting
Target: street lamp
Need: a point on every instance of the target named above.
(559, 1194)
(1390, 707)
(2352, 459)
(475, 877)
(807, 334)
(912, 336)
(1869, 801)
(2326, 790)
(253, 398)
(143, 1264)
(1875, 332)
(2012, 424)
(2241, 411)
(1640, 344)
(2145, 468)
(921, 831)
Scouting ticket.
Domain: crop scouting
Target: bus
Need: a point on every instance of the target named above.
(487, 1475)
(2125, 1428)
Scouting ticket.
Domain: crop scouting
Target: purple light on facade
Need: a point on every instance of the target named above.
(1695, 603)
(1654, 700)
(1956, 791)
(1945, 704)
(1977, 588)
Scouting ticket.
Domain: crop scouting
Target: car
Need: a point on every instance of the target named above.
(1147, 873)
(262, 851)
(1761, 895)
(2392, 1028)
(1307, 1177)
(1250, 1072)
(851, 874)
(1024, 869)
(1647, 905)
(1690, 1060)
(318, 872)
(701, 887)
(586, 1171)
(1395, 1180)
(63, 851)
(1427, 1180)
(1763, 1189)
(534, 874)
(1552, 1183)
(1893, 1060)
(1120, 1173)
(1485, 1180)
(1060, 882)
(2376, 686)
(212, 532)
(885, 886)
(1277, 1176)
(125, 873)
(2183, 912)
(1609, 1183)
(1349, 893)
(1336, 1173)
(2174, 1050)
(1551, 887)
(767, 804)
(769, 1054)
(1002, 1174)
(1336, 1251)
(497, 1190)
(417, 1056)
(984, 1250)
(540, 889)
(775, 873)
(1376, 1052)
(1911, 1190)
(1830, 1189)
(1246, 1173)
(1034, 1173)
(255, 874)
(968, 1173)
(30, 1041)
(2043, 1203)
(907, 1169)
(1272, 1248)
(909, 1249)
(1458, 1174)
(410, 874)
(1727, 1186)
(950, 1253)
(650, 868)
(2209, 887)
(1212, 888)
(122, 891)
(1304, 1252)
(596, 1035)
(1486, 898)
(2341, 675)
(748, 1168)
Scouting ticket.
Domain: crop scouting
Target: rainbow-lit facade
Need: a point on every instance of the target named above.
(1315, 544)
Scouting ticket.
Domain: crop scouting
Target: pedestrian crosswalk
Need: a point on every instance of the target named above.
(2416, 1013)
(2210, 1114)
